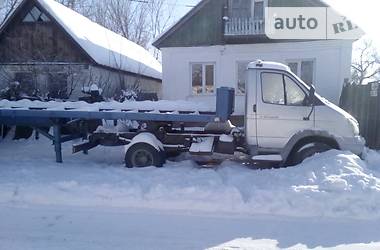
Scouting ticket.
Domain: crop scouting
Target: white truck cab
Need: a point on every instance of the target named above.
(287, 120)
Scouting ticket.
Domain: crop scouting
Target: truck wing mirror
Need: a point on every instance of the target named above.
(311, 98)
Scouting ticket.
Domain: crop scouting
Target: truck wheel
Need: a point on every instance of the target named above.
(143, 155)
(307, 151)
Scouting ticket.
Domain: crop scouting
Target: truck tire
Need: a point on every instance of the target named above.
(143, 155)
(308, 150)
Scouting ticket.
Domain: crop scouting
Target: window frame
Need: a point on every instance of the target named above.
(237, 76)
(204, 65)
(298, 84)
(41, 14)
(265, 4)
(283, 74)
(252, 9)
(299, 67)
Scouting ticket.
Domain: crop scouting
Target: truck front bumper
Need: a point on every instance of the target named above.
(354, 144)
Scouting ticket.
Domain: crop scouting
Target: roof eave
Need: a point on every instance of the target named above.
(11, 16)
(126, 72)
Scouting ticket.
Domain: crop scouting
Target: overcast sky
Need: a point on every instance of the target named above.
(365, 13)
(183, 6)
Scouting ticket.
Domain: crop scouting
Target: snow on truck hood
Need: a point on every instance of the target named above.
(104, 46)
(337, 109)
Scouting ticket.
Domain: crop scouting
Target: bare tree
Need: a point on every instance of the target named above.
(127, 18)
(6, 8)
(84, 7)
(139, 21)
(161, 16)
(366, 66)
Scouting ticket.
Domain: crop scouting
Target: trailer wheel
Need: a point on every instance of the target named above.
(307, 151)
(143, 155)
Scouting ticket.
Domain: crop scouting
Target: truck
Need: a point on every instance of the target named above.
(285, 122)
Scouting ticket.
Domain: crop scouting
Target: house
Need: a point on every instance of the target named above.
(211, 46)
(48, 47)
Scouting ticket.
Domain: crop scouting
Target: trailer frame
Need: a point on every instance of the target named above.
(44, 117)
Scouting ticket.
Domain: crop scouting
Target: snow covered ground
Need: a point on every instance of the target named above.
(92, 202)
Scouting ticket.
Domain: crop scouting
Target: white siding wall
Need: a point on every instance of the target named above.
(332, 66)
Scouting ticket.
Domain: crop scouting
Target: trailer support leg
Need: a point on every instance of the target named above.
(36, 134)
(57, 143)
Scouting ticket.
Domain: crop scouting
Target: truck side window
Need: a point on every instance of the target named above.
(272, 85)
(295, 96)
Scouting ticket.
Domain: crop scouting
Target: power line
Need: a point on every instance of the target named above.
(170, 4)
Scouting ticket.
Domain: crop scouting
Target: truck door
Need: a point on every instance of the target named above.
(281, 109)
(250, 107)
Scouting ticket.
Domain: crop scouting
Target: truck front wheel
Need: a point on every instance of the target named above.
(308, 150)
(143, 155)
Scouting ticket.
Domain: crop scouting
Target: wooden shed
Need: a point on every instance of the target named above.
(50, 48)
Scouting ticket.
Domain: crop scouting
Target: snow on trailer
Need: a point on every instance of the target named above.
(156, 120)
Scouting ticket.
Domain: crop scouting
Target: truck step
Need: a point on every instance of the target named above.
(203, 146)
(272, 158)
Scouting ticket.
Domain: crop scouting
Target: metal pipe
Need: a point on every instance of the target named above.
(57, 143)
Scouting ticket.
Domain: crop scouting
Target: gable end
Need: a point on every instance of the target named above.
(204, 25)
(37, 38)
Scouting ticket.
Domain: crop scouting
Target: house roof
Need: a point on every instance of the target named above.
(178, 25)
(104, 46)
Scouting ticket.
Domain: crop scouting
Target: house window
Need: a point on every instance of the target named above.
(35, 15)
(247, 9)
(241, 8)
(203, 78)
(242, 76)
(303, 69)
(258, 10)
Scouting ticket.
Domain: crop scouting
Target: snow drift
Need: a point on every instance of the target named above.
(333, 184)
(251, 244)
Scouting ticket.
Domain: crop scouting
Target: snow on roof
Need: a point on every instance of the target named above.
(104, 46)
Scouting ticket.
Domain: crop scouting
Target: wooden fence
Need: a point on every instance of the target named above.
(363, 102)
